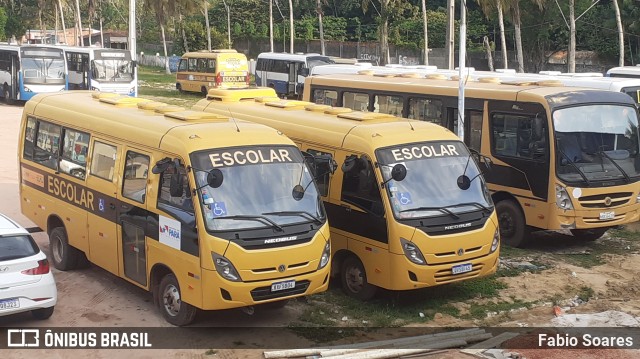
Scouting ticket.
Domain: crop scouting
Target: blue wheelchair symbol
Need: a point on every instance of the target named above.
(404, 198)
(101, 204)
(218, 209)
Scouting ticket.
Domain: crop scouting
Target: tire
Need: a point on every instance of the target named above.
(204, 91)
(63, 256)
(589, 235)
(43, 313)
(513, 227)
(7, 95)
(179, 88)
(173, 309)
(354, 279)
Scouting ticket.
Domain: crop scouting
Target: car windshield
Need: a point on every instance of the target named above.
(257, 188)
(597, 143)
(113, 70)
(430, 187)
(17, 246)
(317, 61)
(43, 70)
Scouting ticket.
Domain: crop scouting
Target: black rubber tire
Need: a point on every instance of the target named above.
(589, 235)
(179, 88)
(204, 91)
(173, 309)
(513, 226)
(42, 313)
(354, 279)
(63, 255)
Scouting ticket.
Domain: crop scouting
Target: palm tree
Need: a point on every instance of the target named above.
(64, 28)
(291, 32)
(79, 24)
(385, 12)
(205, 4)
(319, 4)
(271, 25)
(571, 62)
(185, 7)
(163, 9)
(426, 38)
(488, 7)
(616, 8)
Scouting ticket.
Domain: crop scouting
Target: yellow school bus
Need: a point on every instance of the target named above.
(409, 209)
(563, 157)
(203, 70)
(202, 211)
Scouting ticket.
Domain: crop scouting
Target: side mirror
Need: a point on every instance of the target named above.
(215, 178)
(161, 165)
(350, 163)
(398, 172)
(298, 192)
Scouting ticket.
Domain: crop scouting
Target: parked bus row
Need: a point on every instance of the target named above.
(31, 69)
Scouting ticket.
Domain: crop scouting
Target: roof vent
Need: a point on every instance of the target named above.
(436, 77)
(317, 107)
(287, 103)
(365, 116)
(337, 110)
(190, 115)
(489, 80)
(151, 105)
(169, 108)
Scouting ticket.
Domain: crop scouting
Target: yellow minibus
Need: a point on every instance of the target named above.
(203, 70)
(203, 211)
(410, 207)
(564, 158)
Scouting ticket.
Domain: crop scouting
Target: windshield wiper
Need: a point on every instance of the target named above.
(570, 161)
(476, 204)
(303, 214)
(254, 218)
(443, 210)
(626, 176)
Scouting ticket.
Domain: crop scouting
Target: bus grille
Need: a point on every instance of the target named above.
(600, 200)
(264, 293)
(445, 276)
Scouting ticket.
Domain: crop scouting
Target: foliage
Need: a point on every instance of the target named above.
(3, 23)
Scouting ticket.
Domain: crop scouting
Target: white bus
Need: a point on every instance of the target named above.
(624, 71)
(30, 69)
(285, 73)
(105, 70)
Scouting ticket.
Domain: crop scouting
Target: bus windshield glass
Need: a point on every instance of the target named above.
(257, 189)
(114, 70)
(317, 61)
(43, 67)
(430, 187)
(597, 143)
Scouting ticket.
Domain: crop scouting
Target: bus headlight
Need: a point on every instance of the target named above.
(225, 268)
(326, 255)
(412, 252)
(496, 240)
(26, 89)
(562, 198)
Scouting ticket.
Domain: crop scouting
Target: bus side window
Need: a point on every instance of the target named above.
(425, 109)
(74, 153)
(193, 65)
(321, 175)
(182, 66)
(29, 137)
(164, 194)
(211, 66)
(391, 105)
(356, 101)
(325, 97)
(515, 136)
(360, 187)
(103, 160)
(134, 182)
(47, 144)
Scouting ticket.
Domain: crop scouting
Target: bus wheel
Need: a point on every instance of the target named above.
(354, 279)
(513, 227)
(173, 309)
(179, 88)
(7, 95)
(204, 91)
(63, 255)
(589, 234)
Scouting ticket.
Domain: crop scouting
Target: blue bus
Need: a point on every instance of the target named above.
(31, 69)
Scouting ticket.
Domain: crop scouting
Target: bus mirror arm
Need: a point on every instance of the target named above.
(398, 173)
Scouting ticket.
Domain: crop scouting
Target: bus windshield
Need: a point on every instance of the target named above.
(43, 70)
(115, 70)
(257, 188)
(597, 143)
(314, 61)
(430, 187)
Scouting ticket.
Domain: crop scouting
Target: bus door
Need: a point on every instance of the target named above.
(472, 121)
(15, 80)
(293, 77)
(102, 220)
(133, 215)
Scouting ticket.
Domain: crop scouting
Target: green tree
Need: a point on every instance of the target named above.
(3, 23)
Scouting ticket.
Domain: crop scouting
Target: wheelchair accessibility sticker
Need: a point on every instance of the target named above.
(218, 209)
(404, 198)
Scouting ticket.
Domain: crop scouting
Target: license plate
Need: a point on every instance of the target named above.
(9, 303)
(233, 79)
(283, 285)
(462, 268)
(607, 215)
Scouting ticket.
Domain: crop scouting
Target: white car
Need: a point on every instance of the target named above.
(26, 281)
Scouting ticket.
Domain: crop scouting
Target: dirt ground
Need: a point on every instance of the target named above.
(94, 298)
